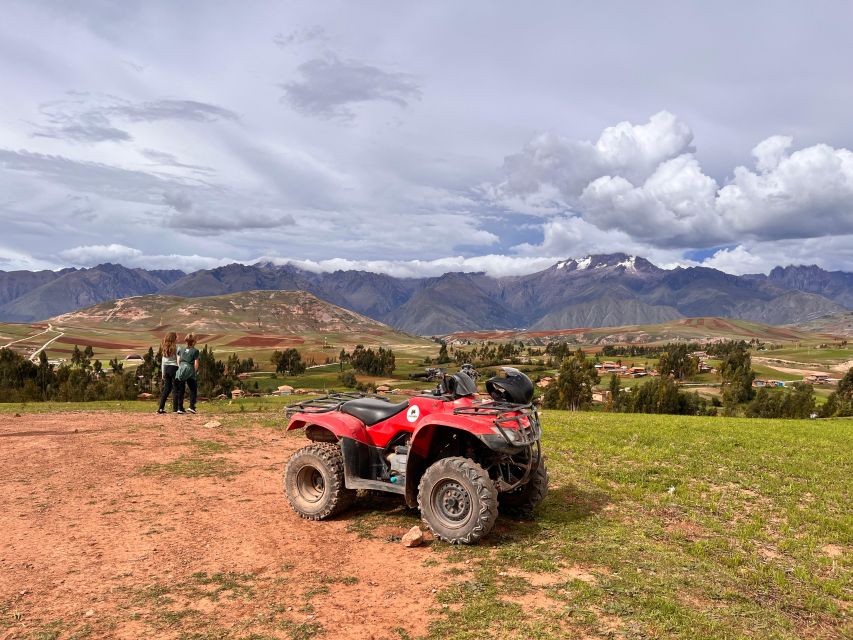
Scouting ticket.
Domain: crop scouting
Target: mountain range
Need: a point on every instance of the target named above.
(595, 291)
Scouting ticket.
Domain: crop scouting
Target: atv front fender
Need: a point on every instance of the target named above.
(338, 424)
(430, 427)
(426, 428)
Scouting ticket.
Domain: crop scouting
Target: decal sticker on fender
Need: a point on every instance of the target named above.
(413, 413)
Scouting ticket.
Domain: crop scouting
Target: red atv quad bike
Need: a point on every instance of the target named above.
(455, 457)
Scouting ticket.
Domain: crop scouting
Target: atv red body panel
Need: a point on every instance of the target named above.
(380, 434)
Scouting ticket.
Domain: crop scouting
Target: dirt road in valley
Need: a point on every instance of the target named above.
(35, 354)
(844, 367)
(797, 369)
(108, 529)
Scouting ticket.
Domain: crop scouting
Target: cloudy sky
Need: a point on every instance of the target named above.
(417, 138)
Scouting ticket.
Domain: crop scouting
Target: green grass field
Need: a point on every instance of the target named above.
(663, 526)
(810, 355)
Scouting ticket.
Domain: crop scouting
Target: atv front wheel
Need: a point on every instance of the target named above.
(314, 481)
(520, 502)
(458, 500)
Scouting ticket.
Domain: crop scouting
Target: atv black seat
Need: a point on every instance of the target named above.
(372, 410)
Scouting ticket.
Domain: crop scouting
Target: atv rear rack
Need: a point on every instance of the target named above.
(327, 403)
(530, 433)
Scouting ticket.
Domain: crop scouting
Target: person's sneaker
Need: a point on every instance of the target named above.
(181, 411)
(191, 410)
(161, 411)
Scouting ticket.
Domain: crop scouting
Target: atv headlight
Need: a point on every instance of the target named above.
(512, 434)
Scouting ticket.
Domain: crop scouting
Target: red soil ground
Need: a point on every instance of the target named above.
(94, 541)
(99, 344)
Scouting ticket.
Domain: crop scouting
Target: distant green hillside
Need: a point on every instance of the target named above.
(250, 311)
(251, 324)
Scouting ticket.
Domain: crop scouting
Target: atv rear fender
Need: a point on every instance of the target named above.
(340, 425)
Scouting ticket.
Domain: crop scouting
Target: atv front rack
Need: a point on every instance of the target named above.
(528, 434)
(328, 403)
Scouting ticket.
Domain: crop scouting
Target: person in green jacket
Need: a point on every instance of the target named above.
(187, 370)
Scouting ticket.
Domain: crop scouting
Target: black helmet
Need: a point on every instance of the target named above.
(458, 385)
(513, 386)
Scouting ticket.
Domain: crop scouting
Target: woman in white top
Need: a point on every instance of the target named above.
(169, 354)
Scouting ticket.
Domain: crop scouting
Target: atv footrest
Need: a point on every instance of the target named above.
(352, 482)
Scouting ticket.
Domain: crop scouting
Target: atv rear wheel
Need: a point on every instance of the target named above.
(458, 500)
(520, 502)
(314, 481)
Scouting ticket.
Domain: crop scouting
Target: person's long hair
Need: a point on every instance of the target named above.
(168, 346)
(190, 339)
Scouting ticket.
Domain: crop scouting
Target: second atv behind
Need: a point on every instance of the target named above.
(457, 458)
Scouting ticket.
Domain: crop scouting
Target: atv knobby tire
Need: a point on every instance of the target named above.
(521, 502)
(314, 481)
(458, 500)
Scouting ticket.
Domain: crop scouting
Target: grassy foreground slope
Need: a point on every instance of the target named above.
(674, 527)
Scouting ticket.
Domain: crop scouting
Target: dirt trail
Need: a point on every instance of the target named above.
(798, 370)
(29, 337)
(35, 354)
(844, 367)
(94, 540)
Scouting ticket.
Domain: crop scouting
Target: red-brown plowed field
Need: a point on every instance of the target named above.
(265, 341)
(99, 344)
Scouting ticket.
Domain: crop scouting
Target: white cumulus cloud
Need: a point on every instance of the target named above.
(645, 181)
(99, 253)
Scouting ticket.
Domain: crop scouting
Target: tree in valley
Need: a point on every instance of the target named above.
(614, 389)
(677, 362)
(662, 395)
(443, 356)
(348, 379)
(372, 363)
(288, 362)
(573, 387)
(795, 402)
(840, 401)
(737, 374)
(45, 375)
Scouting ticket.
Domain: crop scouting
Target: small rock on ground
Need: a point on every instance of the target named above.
(212, 424)
(414, 537)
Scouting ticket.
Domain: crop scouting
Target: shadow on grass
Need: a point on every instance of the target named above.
(569, 503)
(565, 505)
